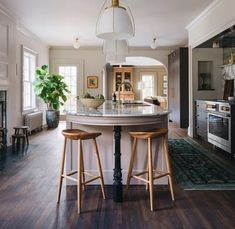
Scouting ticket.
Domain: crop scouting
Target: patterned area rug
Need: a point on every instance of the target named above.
(196, 168)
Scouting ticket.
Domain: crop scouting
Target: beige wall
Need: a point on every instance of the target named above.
(28, 40)
(208, 54)
(93, 63)
(90, 63)
(10, 71)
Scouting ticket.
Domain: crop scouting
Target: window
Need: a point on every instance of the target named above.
(147, 82)
(70, 77)
(29, 68)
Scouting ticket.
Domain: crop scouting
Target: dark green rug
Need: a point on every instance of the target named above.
(195, 168)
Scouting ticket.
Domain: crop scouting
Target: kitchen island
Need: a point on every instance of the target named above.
(114, 121)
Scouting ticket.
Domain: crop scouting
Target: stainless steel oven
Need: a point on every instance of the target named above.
(219, 130)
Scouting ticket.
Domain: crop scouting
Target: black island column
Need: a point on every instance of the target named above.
(117, 175)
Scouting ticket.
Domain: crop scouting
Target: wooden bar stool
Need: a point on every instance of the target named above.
(149, 136)
(79, 135)
(21, 132)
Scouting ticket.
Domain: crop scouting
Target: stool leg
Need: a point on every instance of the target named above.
(79, 180)
(147, 175)
(168, 167)
(133, 153)
(150, 167)
(99, 168)
(27, 137)
(61, 171)
(13, 141)
(83, 169)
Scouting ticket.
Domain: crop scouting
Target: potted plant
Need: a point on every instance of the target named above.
(52, 89)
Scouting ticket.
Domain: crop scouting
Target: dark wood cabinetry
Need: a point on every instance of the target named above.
(200, 121)
(178, 87)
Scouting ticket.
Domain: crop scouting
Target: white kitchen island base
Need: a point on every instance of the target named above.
(114, 157)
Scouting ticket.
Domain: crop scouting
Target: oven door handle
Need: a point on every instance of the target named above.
(219, 114)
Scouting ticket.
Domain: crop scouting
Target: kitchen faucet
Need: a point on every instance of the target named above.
(119, 89)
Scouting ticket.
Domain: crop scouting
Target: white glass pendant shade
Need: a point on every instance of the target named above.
(153, 44)
(115, 47)
(115, 59)
(115, 51)
(76, 44)
(115, 23)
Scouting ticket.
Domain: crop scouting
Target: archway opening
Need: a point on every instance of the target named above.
(147, 76)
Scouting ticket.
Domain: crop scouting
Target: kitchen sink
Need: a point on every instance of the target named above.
(135, 103)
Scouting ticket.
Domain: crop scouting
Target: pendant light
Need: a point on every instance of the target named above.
(153, 44)
(115, 50)
(76, 44)
(115, 22)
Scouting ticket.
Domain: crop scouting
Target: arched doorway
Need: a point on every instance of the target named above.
(148, 78)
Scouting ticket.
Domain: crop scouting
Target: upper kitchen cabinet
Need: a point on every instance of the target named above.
(123, 83)
(178, 87)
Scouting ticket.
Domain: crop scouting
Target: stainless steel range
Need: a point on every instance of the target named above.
(221, 125)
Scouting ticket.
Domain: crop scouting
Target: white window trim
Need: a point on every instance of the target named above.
(69, 65)
(154, 81)
(26, 49)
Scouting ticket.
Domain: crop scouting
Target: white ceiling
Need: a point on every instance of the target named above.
(59, 22)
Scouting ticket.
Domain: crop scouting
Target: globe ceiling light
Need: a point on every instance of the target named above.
(76, 44)
(115, 50)
(115, 22)
(153, 44)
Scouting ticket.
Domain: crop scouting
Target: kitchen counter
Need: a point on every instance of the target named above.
(110, 114)
(115, 121)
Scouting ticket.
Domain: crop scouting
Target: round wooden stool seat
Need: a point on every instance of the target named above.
(157, 133)
(151, 173)
(21, 127)
(77, 134)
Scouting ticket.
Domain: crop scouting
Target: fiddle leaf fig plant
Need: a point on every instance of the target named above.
(51, 88)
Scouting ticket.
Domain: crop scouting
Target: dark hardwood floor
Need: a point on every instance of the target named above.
(28, 189)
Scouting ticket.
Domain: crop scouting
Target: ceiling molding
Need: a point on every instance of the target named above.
(20, 28)
(204, 14)
(8, 13)
(82, 48)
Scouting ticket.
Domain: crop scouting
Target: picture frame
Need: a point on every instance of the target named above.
(165, 84)
(165, 78)
(92, 81)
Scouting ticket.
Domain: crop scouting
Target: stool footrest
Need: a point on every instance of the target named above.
(141, 173)
(88, 181)
(69, 178)
(72, 172)
(89, 174)
(162, 175)
(140, 178)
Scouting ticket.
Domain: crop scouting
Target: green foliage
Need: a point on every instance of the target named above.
(89, 96)
(51, 88)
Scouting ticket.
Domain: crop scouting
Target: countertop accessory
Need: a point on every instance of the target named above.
(91, 103)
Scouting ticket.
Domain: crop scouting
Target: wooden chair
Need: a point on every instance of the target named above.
(79, 135)
(149, 136)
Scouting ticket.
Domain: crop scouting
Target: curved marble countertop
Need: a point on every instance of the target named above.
(110, 114)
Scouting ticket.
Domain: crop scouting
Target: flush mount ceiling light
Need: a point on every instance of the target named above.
(115, 50)
(115, 22)
(76, 44)
(153, 44)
